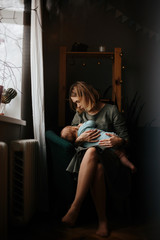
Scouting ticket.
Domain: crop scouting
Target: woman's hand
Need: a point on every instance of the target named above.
(113, 141)
(88, 136)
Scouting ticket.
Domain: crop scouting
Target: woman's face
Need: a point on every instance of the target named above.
(80, 103)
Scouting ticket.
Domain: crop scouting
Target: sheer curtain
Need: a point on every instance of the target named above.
(38, 110)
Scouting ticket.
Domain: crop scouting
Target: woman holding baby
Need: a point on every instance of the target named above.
(87, 164)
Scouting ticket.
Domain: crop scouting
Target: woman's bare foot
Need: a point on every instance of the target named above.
(71, 216)
(102, 230)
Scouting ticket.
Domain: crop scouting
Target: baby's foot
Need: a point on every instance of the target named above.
(71, 216)
(133, 169)
(102, 230)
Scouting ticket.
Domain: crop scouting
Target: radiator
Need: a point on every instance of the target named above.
(23, 180)
(3, 189)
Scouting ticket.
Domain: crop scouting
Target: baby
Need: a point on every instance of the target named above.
(70, 133)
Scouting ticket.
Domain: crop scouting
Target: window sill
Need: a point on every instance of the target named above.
(12, 120)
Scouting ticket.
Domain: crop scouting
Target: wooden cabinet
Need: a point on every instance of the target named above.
(115, 57)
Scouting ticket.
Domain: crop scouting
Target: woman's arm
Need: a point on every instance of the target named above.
(119, 124)
(119, 127)
(87, 136)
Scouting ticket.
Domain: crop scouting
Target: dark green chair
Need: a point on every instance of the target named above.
(61, 183)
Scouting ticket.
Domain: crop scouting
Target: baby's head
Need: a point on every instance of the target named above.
(69, 133)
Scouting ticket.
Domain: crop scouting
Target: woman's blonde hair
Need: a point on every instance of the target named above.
(85, 93)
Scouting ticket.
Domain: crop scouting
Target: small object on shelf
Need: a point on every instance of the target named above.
(2, 108)
(102, 48)
(79, 47)
(8, 95)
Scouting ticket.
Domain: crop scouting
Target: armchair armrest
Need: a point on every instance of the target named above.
(61, 183)
(59, 148)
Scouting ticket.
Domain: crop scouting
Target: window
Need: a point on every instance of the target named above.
(11, 46)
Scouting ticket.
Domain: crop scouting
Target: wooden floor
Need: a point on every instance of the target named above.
(46, 229)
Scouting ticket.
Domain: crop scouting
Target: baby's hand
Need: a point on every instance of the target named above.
(80, 124)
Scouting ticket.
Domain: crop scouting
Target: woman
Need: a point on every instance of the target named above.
(84, 99)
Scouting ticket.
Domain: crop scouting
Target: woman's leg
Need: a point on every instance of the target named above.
(98, 191)
(87, 171)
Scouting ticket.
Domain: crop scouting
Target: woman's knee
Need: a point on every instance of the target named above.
(92, 151)
(91, 155)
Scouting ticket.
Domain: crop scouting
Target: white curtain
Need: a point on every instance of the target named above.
(38, 110)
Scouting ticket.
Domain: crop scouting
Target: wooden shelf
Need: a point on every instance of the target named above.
(12, 120)
(90, 54)
(116, 77)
